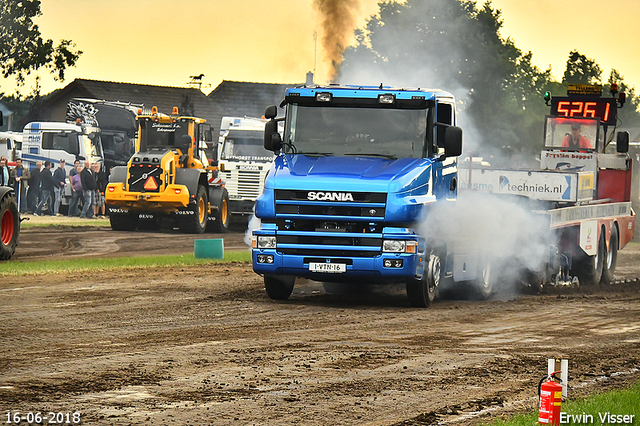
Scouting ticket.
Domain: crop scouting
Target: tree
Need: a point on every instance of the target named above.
(581, 70)
(23, 50)
(454, 45)
(628, 116)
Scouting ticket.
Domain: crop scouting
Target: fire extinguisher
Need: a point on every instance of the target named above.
(550, 394)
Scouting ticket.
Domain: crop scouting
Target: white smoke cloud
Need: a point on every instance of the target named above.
(254, 223)
(503, 230)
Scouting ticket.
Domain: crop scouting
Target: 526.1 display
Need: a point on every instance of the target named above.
(569, 107)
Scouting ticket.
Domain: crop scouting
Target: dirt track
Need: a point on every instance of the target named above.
(206, 346)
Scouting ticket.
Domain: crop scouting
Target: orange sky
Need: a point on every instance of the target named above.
(164, 42)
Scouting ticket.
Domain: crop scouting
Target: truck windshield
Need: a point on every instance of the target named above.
(245, 145)
(338, 131)
(569, 134)
(163, 135)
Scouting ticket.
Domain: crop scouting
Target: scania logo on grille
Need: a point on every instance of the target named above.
(329, 196)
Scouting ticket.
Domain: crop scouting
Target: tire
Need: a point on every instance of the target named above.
(124, 222)
(610, 260)
(486, 282)
(588, 269)
(421, 293)
(9, 226)
(221, 214)
(197, 222)
(279, 287)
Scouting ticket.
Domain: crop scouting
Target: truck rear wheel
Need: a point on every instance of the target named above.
(124, 222)
(610, 260)
(197, 222)
(485, 283)
(9, 227)
(279, 287)
(588, 269)
(421, 293)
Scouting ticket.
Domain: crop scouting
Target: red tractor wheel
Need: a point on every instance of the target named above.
(9, 226)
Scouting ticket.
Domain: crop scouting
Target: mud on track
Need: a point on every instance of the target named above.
(206, 346)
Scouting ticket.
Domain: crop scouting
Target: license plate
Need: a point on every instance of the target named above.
(331, 268)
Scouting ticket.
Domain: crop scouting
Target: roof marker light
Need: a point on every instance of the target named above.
(387, 98)
(324, 97)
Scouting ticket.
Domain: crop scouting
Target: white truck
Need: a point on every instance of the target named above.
(243, 161)
(11, 145)
(54, 141)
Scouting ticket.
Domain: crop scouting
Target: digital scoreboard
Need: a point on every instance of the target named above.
(570, 107)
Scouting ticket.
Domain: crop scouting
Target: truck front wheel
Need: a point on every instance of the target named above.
(421, 293)
(279, 287)
(9, 227)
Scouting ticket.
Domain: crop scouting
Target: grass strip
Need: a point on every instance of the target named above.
(72, 221)
(93, 264)
(595, 409)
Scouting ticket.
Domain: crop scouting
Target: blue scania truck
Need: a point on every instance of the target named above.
(364, 189)
(356, 168)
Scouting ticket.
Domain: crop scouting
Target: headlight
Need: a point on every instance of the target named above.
(399, 246)
(266, 242)
(393, 246)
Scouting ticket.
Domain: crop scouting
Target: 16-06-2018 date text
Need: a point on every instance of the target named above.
(46, 418)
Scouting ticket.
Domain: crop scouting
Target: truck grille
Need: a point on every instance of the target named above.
(242, 184)
(346, 224)
(364, 207)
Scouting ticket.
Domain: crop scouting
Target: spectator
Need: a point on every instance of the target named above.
(5, 174)
(101, 186)
(88, 187)
(74, 170)
(46, 187)
(60, 177)
(33, 195)
(20, 177)
(76, 187)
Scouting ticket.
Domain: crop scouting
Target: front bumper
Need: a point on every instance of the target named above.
(382, 268)
(172, 198)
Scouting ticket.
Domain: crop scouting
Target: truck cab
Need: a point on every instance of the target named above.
(356, 169)
(116, 121)
(243, 161)
(53, 141)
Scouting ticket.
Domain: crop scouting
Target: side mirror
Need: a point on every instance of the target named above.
(1, 122)
(272, 139)
(271, 112)
(622, 142)
(453, 141)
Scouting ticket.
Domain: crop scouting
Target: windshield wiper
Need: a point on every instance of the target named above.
(313, 154)
(360, 154)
